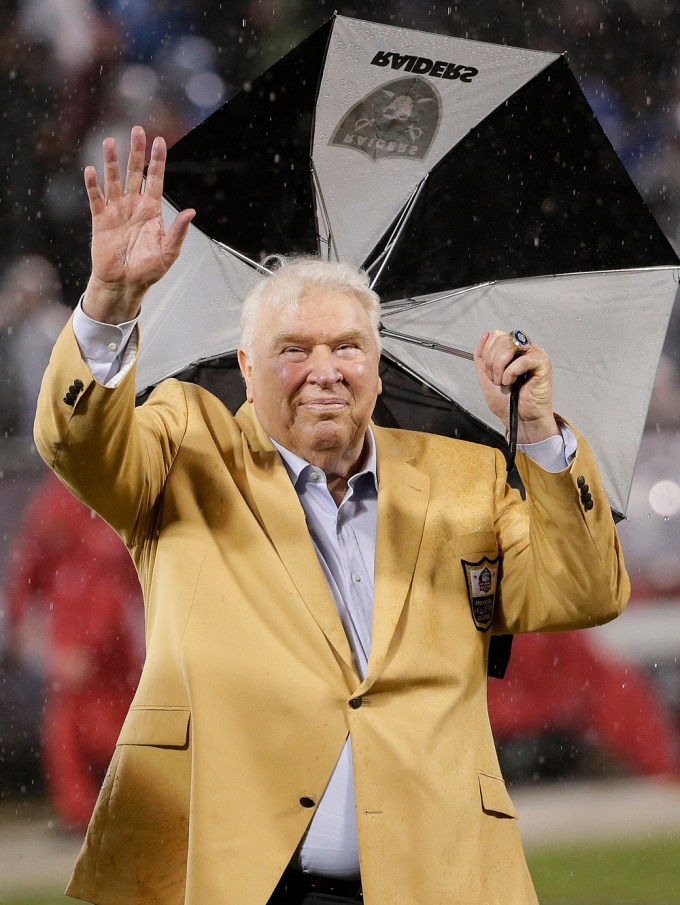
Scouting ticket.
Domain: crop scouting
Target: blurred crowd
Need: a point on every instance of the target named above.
(74, 71)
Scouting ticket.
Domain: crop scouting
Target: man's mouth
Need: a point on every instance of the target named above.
(324, 404)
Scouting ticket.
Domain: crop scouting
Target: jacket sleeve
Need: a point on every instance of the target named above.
(562, 566)
(111, 455)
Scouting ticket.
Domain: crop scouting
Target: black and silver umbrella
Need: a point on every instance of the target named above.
(474, 184)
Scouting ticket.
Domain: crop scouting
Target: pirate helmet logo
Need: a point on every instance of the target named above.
(399, 119)
(484, 580)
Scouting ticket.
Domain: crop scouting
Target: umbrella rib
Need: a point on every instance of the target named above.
(244, 258)
(426, 343)
(398, 306)
(383, 257)
(330, 241)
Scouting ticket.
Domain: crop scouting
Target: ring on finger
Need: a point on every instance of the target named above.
(520, 341)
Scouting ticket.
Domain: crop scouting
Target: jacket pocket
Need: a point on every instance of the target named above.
(495, 797)
(166, 727)
(483, 543)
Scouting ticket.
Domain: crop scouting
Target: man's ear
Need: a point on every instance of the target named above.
(246, 367)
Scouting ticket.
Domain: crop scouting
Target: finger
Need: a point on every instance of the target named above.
(112, 184)
(479, 351)
(499, 354)
(94, 193)
(156, 170)
(135, 166)
(505, 363)
(531, 364)
(176, 234)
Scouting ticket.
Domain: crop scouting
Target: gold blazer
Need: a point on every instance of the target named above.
(249, 688)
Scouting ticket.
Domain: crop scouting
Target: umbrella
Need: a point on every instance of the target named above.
(474, 184)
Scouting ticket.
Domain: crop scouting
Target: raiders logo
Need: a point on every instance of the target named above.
(481, 579)
(399, 119)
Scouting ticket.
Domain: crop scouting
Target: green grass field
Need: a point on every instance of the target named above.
(645, 873)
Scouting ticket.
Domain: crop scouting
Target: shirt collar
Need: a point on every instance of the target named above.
(295, 465)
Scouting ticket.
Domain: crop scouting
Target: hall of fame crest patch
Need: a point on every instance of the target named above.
(481, 579)
(399, 119)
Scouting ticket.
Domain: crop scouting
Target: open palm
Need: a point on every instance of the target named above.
(131, 249)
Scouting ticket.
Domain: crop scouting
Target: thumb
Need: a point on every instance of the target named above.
(176, 234)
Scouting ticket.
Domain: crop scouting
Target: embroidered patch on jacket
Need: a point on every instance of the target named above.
(481, 579)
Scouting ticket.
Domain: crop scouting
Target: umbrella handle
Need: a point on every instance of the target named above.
(514, 423)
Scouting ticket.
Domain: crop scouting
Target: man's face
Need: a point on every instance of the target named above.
(313, 378)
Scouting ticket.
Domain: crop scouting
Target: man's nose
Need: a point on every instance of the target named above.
(323, 370)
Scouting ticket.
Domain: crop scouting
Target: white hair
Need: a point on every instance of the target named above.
(297, 276)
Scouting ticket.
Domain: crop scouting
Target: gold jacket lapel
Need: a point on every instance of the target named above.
(403, 497)
(283, 518)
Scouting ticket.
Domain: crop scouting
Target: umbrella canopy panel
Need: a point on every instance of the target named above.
(534, 189)
(194, 312)
(604, 341)
(392, 103)
(246, 167)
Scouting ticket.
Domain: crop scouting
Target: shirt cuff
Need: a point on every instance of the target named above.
(554, 453)
(104, 347)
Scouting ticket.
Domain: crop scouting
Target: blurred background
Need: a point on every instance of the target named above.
(587, 724)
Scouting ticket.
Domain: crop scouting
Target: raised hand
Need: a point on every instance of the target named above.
(131, 249)
(498, 367)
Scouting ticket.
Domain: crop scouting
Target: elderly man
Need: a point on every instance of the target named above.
(311, 719)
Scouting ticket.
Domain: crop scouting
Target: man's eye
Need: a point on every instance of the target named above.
(293, 351)
(347, 348)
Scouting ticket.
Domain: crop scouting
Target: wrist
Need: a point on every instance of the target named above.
(536, 430)
(110, 303)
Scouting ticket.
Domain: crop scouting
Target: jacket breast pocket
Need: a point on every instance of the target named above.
(479, 563)
(162, 727)
(474, 545)
(495, 797)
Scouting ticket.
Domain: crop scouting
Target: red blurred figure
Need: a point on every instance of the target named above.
(561, 683)
(74, 602)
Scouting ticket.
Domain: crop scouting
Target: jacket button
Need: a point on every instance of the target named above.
(69, 399)
(355, 703)
(588, 505)
(584, 490)
(580, 480)
(78, 383)
(307, 802)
